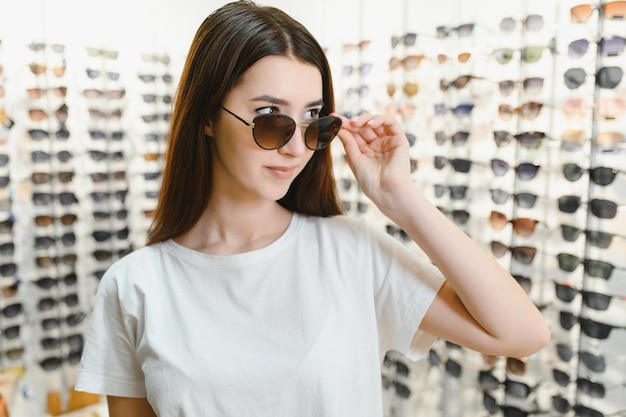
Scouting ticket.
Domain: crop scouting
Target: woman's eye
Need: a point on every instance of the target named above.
(268, 110)
(312, 114)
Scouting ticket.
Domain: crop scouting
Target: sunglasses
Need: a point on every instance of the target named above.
(531, 85)
(528, 111)
(532, 22)
(41, 156)
(45, 220)
(459, 216)
(48, 303)
(11, 332)
(6, 226)
(400, 366)
(606, 77)
(101, 53)
(54, 362)
(517, 389)
(612, 10)
(516, 366)
(608, 46)
(462, 57)
(586, 386)
(458, 138)
(457, 192)
(603, 209)
(452, 367)
(104, 235)
(397, 232)
(593, 267)
(71, 320)
(528, 54)
(39, 92)
(47, 177)
(74, 341)
(66, 198)
(402, 390)
(492, 406)
(458, 164)
(522, 254)
(463, 30)
(45, 242)
(12, 310)
(94, 73)
(408, 39)
(48, 261)
(597, 238)
(46, 283)
(272, 131)
(525, 171)
(458, 83)
(562, 405)
(110, 94)
(592, 299)
(591, 328)
(40, 134)
(599, 175)
(523, 226)
(593, 361)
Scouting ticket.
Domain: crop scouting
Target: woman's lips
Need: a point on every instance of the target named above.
(281, 172)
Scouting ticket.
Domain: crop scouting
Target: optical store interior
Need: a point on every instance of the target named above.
(514, 112)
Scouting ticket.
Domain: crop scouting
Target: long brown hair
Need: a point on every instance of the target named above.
(227, 43)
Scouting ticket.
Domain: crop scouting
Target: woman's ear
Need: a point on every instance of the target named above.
(208, 129)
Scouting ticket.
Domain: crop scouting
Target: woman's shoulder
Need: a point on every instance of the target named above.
(137, 263)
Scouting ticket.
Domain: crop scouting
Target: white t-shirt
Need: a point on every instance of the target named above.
(297, 328)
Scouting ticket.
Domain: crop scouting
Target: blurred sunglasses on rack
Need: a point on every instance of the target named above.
(607, 77)
(40, 69)
(532, 22)
(589, 387)
(48, 261)
(563, 406)
(459, 82)
(39, 92)
(601, 208)
(492, 406)
(462, 30)
(45, 242)
(612, 10)
(408, 39)
(609, 45)
(53, 363)
(594, 300)
(458, 138)
(38, 114)
(529, 110)
(12, 310)
(95, 73)
(599, 239)
(516, 366)
(457, 192)
(109, 94)
(459, 216)
(525, 171)
(41, 156)
(102, 53)
(409, 62)
(595, 362)
(531, 86)
(363, 69)
(66, 198)
(46, 283)
(461, 57)
(593, 267)
(45, 220)
(529, 54)
(589, 327)
(40, 134)
(153, 98)
(522, 254)
(75, 340)
(524, 200)
(71, 320)
(518, 389)
(523, 226)
(48, 303)
(458, 164)
(602, 176)
(40, 46)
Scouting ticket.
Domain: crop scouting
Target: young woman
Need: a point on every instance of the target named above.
(254, 295)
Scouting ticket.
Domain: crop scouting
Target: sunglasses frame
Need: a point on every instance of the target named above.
(296, 124)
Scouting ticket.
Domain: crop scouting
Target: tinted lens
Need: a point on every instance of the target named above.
(569, 203)
(524, 282)
(603, 209)
(612, 45)
(524, 254)
(502, 137)
(570, 233)
(592, 361)
(578, 48)
(564, 352)
(459, 138)
(506, 87)
(531, 139)
(595, 329)
(271, 131)
(596, 300)
(525, 200)
(524, 226)
(609, 77)
(614, 10)
(598, 269)
(581, 13)
(603, 175)
(574, 78)
(572, 171)
(499, 167)
(499, 196)
(321, 132)
(527, 171)
(532, 54)
(599, 238)
(461, 165)
(567, 262)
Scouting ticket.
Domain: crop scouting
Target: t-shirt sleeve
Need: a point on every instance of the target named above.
(405, 284)
(109, 364)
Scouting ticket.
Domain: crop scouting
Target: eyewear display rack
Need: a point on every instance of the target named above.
(517, 134)
(81, 144)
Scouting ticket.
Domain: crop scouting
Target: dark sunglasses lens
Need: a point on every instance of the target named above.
(499, 196)
(567, 262)
(609, 77)
(525, 200)
(595, 329)
(527, 171)
(603, 209)
(599, 239)
(574, 78)
(572, 172)
(560, 404)
(602, 175)
(565, 352)
(461, 165)
(524, 254)
(596, 301)
(569, 203)
(567, 321)
(598, 269)
(565, 293)
(271, 131)
(592, 361)
(570, 233)
(321, 132)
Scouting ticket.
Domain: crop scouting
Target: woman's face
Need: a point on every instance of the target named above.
(243, 170)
